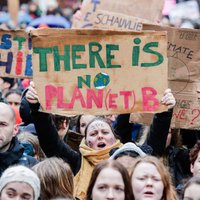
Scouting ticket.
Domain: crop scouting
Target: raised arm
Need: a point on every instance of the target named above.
(160, 126)
(48, 137)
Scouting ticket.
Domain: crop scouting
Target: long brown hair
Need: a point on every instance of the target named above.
(169, 192)
(56, 178)
(114, 165)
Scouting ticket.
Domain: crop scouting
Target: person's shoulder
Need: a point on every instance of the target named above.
(27, 160)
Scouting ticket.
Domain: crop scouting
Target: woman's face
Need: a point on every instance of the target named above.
(85, 119)
(99, 135)
(17, 190)
(109, 185)
(146, 182)
(192, 192)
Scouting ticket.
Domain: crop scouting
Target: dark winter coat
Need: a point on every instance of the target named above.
(50, 141)
(157, 136)
(15, 155)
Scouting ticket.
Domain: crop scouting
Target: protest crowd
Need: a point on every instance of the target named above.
(131, 134)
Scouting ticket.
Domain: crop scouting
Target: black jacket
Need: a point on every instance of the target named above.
(157, 137)
(51, 143)
(14, 155)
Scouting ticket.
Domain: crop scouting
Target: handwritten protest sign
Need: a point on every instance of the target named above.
(114, 21)
(99, 72)
(15, 54)
(142, 9)
(184, 75)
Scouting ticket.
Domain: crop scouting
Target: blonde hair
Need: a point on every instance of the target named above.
(169, 192)
(56, 178)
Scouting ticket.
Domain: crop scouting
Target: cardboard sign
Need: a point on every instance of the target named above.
(114, 21)
(142, 9)
(184, 75)
(15, 54)
(99, 72)
(141, 118)
(13, 9)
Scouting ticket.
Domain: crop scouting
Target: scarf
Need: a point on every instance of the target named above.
(90, 158)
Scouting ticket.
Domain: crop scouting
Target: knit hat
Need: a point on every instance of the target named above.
(128, 147)
(28, 128)
(21, 174)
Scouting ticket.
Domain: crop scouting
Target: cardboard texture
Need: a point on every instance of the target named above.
(141, 118)
(15, 54)
(184, 76)
(99, 72)
(142, 9)
(114, 21)
(13, 9)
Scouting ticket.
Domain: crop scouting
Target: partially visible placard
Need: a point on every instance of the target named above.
(99, 72)
(114, 21)
(141, 118)
(15, 54)
(13, 10)
(184, 76)
(141, 9)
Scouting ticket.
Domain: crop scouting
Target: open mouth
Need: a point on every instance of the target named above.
(101, 145)
(148, 193)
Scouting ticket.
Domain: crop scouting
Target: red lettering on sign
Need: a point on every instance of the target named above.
(19, 59)
(197, 111)
(181, 115)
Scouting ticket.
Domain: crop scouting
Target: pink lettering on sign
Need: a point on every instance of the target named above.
(77, 95)
(112, 100)
(150, 103)
(127, 95)
(60, 103)
(99, 99)
(50, 93)
(19, 63)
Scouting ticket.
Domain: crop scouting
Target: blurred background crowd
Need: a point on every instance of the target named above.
(37, 13)
(58, 13)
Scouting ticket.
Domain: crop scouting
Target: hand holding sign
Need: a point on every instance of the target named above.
(168, 99)
(31, 95)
